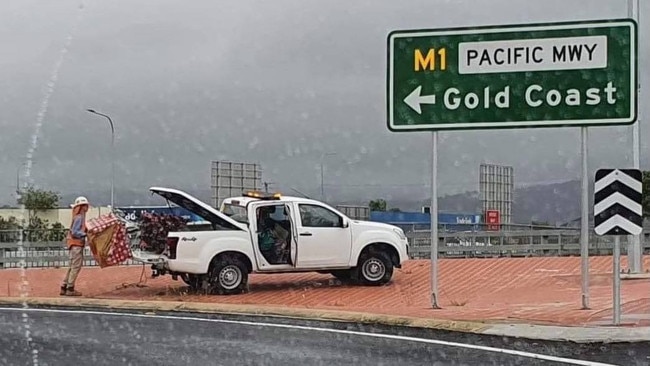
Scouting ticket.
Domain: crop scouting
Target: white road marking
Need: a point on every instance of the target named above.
(326, 330)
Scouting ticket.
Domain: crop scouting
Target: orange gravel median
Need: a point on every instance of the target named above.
(511, 290)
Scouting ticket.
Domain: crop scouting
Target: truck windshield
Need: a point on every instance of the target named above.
(237, 213)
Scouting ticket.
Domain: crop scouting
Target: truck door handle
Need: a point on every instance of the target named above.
(305, 234)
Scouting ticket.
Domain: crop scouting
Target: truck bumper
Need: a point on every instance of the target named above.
(148, 257)
(404, 255)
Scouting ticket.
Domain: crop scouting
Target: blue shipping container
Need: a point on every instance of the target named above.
(424, 218)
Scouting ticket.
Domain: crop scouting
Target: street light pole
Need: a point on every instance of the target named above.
(322, 186)
(18, 190)
(112, 155)
(18, 179)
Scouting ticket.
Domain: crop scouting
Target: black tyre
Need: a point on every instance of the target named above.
(194, 281)
(227, 276)
(373, 269)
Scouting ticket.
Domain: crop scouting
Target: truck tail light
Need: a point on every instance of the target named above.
(172, 244)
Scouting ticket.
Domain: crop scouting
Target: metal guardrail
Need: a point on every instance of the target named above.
(43, 254)
(13, 236)
(512, 244)
(47, 248)
(477, 244)
(460, 227)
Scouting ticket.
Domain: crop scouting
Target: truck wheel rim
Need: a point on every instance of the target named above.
(230, 277)
(373, 269)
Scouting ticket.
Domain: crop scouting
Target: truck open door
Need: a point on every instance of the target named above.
(272, 225)
(294, 235)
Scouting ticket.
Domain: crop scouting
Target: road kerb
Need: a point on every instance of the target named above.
(232, 309)
(594, 334)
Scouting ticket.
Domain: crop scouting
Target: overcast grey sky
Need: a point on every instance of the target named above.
(279, 83)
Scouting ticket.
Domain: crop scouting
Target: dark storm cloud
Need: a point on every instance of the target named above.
(274, 82)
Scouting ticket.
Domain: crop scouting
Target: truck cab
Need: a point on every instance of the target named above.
(272, 233)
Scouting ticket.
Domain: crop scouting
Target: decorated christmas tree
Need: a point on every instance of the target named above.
(154, 229)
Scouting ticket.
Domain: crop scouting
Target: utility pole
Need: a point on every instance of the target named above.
(18, 179)
(266, 186)
(322, 179)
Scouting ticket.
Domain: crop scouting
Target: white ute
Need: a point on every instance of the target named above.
(262, 233)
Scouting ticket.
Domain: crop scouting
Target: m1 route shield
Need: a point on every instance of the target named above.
(544, 75)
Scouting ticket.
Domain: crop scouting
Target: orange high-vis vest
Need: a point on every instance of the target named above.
(70, 240)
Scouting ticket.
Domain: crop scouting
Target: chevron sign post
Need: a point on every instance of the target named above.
(618, 200)
(618, 211)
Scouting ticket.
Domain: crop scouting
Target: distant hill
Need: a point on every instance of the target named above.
(556, 203)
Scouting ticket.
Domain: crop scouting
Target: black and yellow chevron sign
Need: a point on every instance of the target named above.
(618, 206)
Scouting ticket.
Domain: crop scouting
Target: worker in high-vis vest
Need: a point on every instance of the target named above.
(76, 240)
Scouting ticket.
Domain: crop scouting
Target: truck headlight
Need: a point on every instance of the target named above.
(400, 233)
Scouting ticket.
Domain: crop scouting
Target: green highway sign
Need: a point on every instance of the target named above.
(542, 75)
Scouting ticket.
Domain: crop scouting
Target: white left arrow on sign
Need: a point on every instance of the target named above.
(414, 100)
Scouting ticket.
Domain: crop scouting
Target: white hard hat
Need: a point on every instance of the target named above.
(81, 200)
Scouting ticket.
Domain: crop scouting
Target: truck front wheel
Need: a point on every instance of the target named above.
(373, 269)
(228, 276)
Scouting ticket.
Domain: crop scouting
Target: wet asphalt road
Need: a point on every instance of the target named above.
(73, 338)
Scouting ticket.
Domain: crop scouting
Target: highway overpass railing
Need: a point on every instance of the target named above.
(45, 248)
(532, 243)
(52, 254)
(40, 248)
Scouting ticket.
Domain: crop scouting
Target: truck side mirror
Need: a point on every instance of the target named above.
(344, 223)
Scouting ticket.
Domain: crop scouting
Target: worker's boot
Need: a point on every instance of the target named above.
(64, 290)
(70, 291)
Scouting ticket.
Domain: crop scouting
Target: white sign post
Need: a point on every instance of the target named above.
(618, 211)
(510, 77)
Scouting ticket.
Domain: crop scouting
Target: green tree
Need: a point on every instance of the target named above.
(395, 209)
(35, 200)
(39, 199)
(646, 193)
(9, 229)
(42, 230)
(377, 205)
(10, 223)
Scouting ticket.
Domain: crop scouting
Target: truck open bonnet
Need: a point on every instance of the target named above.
(197, 207)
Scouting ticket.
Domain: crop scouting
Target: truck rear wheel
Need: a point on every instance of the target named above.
(227, 276)
(343, 275)
(194, 281)
(373, 269)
